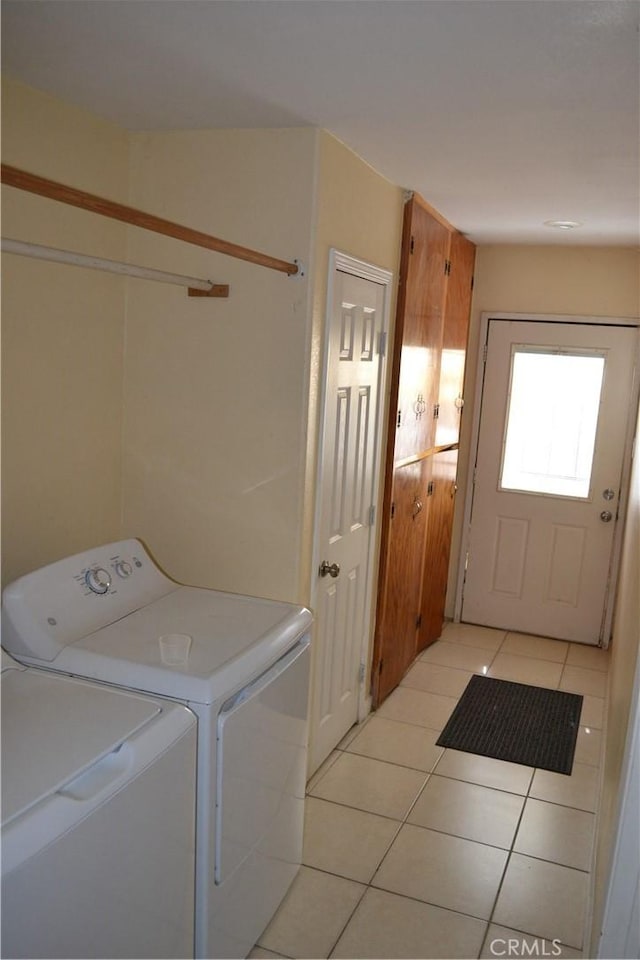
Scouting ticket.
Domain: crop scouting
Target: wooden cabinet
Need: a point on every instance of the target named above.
(400, 601)
(427, 371)
(460, 264)
(441, 491)
(419, 332)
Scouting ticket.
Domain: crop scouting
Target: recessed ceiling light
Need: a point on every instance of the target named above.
(562, 224)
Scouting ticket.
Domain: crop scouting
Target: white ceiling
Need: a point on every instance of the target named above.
(501, 113)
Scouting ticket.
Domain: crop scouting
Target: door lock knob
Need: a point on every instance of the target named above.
(330, 569)
(606, 516)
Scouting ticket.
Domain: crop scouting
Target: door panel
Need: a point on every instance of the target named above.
(400, 603)
(347, 487)
(419, 330)
(462, 254)
(440, 506)
(418, 387)
(539, 562)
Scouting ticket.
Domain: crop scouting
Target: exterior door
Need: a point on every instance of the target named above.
(349, 458)
(554, 425)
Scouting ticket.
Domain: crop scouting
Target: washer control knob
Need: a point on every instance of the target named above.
(123, 568)
(98, 579)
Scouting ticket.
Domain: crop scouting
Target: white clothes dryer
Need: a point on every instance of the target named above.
(101, 615)
(98, 820)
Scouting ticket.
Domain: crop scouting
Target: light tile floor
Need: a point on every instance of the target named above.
(413, 851)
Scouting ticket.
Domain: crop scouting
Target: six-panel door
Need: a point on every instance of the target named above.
(553, 429)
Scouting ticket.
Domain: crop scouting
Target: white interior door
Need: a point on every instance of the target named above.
(556, 403)
(357, 320)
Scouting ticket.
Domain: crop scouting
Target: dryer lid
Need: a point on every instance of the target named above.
(234, 638)
(55, 727)
(8, 663)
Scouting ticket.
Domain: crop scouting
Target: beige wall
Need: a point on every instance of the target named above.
(216, 390)
(221, 412)
(577, 281)
(131, 409)
(62, 339)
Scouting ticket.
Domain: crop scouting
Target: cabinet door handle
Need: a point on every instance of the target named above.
(417, 507)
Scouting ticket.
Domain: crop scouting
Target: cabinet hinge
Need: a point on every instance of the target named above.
(380, 667)
(372, 514)
(436, 410)
(393, 510)
(399, 419)
(473, 280)
(412, 246)
(485, 350)
(447, 268)
(418, 621)
(382, 343)
(361, 672)
(430, 488)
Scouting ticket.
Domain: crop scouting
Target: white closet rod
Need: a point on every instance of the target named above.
(113, 266)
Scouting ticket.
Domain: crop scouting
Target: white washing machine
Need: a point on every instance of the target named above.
(101, 615)
(98, 820)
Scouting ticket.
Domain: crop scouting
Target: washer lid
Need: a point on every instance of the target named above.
(55, 727)
(233, 639)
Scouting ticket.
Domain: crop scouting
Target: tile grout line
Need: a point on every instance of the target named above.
(402, 823)
(508, 861)
(368, 885)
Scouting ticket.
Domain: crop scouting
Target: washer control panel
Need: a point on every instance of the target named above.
(107, 575)
(72, 598)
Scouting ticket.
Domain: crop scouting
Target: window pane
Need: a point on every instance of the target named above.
(551, 422)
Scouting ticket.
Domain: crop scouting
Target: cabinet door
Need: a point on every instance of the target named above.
(440, 504)
(400, 585)
(419, 330)
(454, 339)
